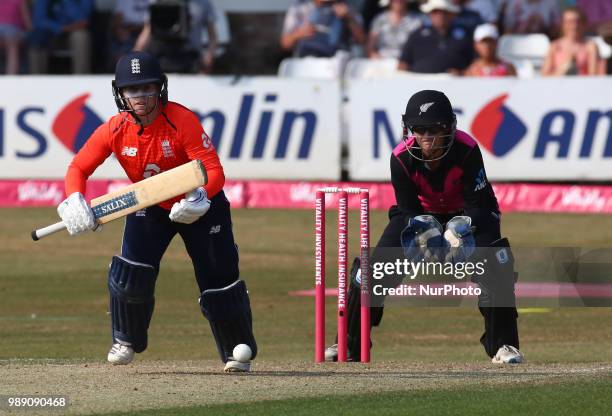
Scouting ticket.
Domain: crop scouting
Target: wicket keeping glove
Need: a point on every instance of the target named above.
(422, 239)
(459, 238)
(76, 214)
(193, 206)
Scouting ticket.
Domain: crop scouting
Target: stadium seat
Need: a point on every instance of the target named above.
(532, 47)
(310, 67)
(524, 68)
(371, 68)
(604, 49)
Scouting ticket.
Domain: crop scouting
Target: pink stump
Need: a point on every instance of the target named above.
(320, 277)
(342, 274)
(364, 237)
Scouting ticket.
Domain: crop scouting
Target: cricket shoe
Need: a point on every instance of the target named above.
(233, 366)
(120, 354)
(331, 353)
(508, 355)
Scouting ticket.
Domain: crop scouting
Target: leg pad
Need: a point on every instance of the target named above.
(228, 311)
(497, 284)
(497, 302)
(132, 287)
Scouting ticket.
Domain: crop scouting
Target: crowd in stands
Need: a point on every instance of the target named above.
(173, 30)
(458, 37)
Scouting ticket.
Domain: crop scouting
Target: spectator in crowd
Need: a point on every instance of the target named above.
(441, 46)
(390, 29)
(14, 20)
(599, 21)
(467, 17)
(126, 24)
(487, 64)
(54, 19)
(597, 12)
(370, 9)
(173, 32)
(572, 53)
(320, 28)
(531, 16)
(487, 9)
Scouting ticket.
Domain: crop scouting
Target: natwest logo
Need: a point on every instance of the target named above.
(499, 129)
(75, 123)
(29, 134)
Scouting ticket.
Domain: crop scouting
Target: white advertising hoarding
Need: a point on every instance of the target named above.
(262, 127)
(274, 128)
(528, 129)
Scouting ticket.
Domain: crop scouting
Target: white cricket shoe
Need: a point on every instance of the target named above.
(508, 355)
(331, 353)
(233, 366)
(120, 354)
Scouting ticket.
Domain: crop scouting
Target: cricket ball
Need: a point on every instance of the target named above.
(242, 353)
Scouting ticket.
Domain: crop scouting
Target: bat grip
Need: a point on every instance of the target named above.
(45, 231)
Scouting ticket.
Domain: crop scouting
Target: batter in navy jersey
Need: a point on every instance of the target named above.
(444, 199)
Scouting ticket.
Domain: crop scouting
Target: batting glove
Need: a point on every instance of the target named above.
(189, 209)
(76, 214)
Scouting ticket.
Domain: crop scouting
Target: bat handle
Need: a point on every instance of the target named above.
(45, 231)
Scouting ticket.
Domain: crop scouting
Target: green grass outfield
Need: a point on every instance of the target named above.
(572, 399)
(53, 305)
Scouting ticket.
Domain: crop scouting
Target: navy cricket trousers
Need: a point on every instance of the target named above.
(209, 241)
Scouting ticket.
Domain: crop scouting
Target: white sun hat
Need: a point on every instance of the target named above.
(446, 5)
(484, 31)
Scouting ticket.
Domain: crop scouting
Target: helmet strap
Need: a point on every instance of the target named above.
(422, 158)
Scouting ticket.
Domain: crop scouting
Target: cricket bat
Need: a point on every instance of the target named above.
(139, 195)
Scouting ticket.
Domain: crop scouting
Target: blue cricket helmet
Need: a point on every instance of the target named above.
(138, 68)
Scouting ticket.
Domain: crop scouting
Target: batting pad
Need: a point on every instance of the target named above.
(228, 311)
(131, 286)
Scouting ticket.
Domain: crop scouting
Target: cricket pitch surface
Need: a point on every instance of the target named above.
(94, 387)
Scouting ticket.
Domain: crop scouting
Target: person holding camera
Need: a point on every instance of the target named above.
(173, 32)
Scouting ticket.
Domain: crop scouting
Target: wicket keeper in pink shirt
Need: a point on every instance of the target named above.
(446, 211)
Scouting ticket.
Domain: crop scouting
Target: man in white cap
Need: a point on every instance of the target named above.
(441, 46)
(487, 64)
